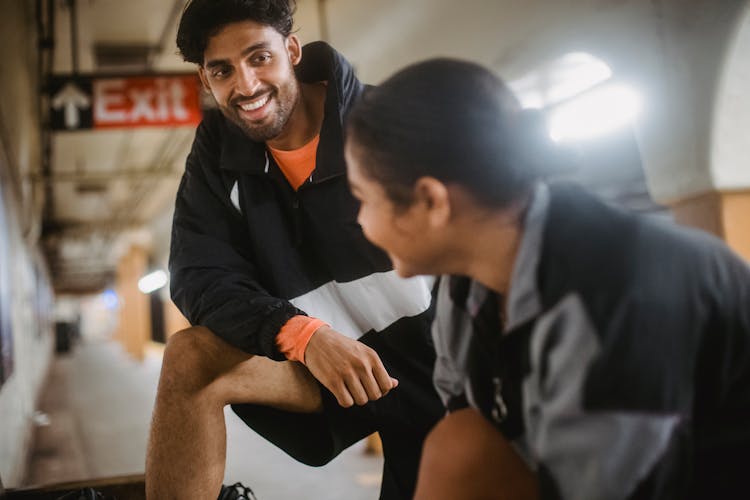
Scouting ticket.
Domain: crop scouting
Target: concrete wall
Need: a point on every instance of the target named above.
(25, 296)
(684, 72)
(730, 151)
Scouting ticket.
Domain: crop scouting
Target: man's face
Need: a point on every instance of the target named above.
(249, 68)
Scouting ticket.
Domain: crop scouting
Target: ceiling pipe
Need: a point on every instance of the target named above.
(46, 10)
(157, 49)
(112, 176)
(73, 8)
(323, 21)
(76, 229)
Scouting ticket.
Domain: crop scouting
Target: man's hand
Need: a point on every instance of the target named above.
(349, 369)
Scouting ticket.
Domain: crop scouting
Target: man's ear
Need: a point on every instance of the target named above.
(435, 198)
(294, 49)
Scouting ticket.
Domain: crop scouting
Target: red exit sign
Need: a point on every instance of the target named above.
(80, 102)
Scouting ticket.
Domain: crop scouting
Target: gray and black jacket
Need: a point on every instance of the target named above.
(622, 367)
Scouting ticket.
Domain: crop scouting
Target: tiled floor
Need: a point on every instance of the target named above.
(94, 418)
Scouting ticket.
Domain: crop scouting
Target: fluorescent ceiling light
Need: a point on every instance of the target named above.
(594, 113)
(152, 281)
(560, 79)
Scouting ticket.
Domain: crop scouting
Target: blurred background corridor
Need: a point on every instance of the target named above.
(97, 114)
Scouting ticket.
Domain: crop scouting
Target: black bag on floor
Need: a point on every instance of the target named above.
(85, 494)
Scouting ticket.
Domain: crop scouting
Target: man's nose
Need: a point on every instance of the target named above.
(247, 81)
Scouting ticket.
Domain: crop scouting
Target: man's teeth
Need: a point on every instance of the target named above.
(250, 106)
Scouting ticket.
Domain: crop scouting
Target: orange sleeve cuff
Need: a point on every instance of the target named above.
(293, 337)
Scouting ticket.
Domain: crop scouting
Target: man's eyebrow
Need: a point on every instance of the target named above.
(222, 62)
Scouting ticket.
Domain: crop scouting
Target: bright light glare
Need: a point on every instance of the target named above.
(594, 113)
(109, 299)
(152, 281)
(560, 79)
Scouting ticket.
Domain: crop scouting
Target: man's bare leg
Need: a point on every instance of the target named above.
(465, 457)
(200, 375)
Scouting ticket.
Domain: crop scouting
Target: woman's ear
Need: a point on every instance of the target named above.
(435, 198)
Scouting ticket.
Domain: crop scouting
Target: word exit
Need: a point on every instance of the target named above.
(81, 103)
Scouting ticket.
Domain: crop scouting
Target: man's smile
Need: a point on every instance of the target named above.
(255, 103)
(254, 109)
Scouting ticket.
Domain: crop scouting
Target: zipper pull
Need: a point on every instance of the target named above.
(499, 409)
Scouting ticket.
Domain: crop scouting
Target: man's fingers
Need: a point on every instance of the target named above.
(385, 382)
(357, 391)
(371, 386)
(343, 396)
(352, 371)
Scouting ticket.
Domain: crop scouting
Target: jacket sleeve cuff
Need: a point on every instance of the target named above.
(294, 336)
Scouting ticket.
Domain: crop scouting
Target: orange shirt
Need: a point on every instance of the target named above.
(297, 166)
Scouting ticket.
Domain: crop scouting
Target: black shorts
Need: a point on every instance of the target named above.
(403, 417)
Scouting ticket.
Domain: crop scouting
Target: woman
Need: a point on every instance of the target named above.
(583, 352)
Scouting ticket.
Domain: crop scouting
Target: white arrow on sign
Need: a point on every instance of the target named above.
(71, 98)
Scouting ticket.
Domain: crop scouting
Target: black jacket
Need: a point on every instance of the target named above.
(235, 271)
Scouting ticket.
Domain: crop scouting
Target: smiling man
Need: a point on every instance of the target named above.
(261, 99)
(299, 323)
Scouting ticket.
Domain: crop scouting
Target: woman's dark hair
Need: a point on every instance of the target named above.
(448, 119)
(202, 19)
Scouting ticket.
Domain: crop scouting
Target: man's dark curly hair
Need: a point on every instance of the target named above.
(202, 19)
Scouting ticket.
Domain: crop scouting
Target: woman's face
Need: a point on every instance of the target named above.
(405, 233)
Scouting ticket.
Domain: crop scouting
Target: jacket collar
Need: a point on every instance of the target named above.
(320, 62)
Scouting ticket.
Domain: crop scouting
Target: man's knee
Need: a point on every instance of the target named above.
(194, 358)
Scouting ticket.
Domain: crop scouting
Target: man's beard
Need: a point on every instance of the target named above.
(285, 97)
